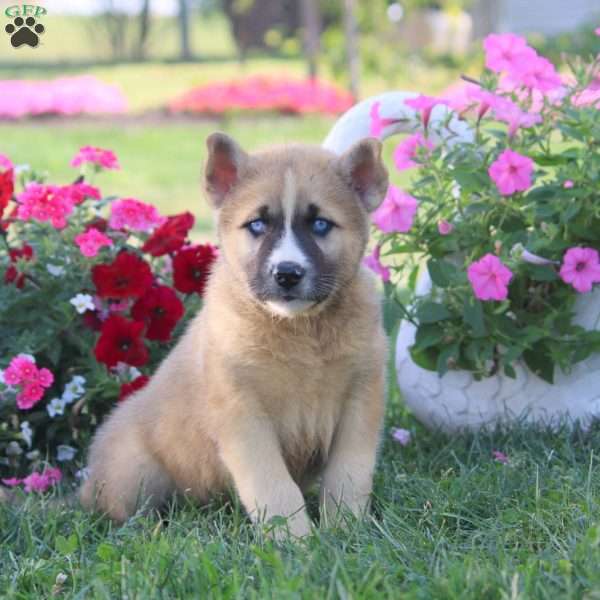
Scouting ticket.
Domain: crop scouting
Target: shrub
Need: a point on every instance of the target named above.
(507, 226)
(89, 306)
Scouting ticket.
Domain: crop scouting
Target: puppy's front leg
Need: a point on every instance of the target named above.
(348, 477)
(251, 452)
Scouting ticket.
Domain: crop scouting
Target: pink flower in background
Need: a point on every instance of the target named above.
(12, 482)
(568, 184)
(397, 211)
(536, 73)
(444, 227)
(5, 163)
(402, 436)
(378, 123)
(135, 215)
(500, 457)
(511, 172)
(40, 482)
(580, 268)
(597, 31)
(31, 393)
(407, 149)
(91, 241)
(425, 105)
(105, 159)
(78, 192)
(509, 112)
(372, 262)
(22, 371)
(44, 203)
(489, 278)
(506, 51)
(45, 378)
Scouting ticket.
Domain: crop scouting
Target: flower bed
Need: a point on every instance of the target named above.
(65, 96)
(94, 291)
(508, 227)
(262, 93)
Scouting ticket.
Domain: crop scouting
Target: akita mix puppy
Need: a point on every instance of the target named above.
(280, 378)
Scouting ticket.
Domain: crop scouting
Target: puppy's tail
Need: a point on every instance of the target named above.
(355, 124)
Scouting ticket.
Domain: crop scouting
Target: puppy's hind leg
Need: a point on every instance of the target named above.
(123, 474)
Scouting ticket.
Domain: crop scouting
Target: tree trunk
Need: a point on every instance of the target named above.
(311, 23)
(144, 30)
(351, 30)
(184, 30)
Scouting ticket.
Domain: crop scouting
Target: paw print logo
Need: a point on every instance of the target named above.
(24, 32)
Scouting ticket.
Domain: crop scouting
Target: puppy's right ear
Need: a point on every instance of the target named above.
(225, 164)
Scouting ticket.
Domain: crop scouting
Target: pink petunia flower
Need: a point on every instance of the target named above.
(407, 150)
(396, 212)
(40, 482)
(378, 123)
(511, 172)
(568, 184)
(12, 482)
(580, 268)
(536, 73)
(504, 52)
(500, 457)
(597, 31)
(91, 241)
(372, 262)
(489, 278)
(444, 227)
(402, 436)
(105, 159)
(509, 112)
(135, 215)
(425, 105)
(5, 163)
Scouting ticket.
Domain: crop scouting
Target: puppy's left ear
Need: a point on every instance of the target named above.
(224, 167)
(363, 170)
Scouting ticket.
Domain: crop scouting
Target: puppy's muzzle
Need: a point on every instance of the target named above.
(288, 274)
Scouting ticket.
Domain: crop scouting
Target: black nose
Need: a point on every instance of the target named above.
(288, 274)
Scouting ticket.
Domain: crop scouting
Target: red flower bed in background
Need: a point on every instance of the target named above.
(262, 93)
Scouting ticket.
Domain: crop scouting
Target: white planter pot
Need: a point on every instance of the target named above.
(457, 402)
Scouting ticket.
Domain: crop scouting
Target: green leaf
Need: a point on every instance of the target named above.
(542, 272)
(441, 272)
(473, 316)
(432, 312)
(539, 360)
(428, 336)
(426, 359)
(448, 353)
(65, 545)
(107, 553)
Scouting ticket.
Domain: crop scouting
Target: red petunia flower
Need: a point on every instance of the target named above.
(170, 236)
(12, 274)
(7, 188)
(191, 267)
(133, 386)
(160, 309)
(128, 276)
(120, 341)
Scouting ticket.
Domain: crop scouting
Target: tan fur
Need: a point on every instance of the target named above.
(251, 400)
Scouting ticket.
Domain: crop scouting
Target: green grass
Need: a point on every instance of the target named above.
(448, 522)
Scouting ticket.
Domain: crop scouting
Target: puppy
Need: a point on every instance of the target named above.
(280, 377)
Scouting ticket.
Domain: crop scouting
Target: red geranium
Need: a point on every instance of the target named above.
(133, 386)
(160, 309)
(170, 236)
(7, 188)
(191, 267)
(128, 276)
(12, 274)
(120, 341)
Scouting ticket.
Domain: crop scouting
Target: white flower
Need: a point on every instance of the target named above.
(74, 389)
(22, 169)
(26, 433)
(33, 455)
(55, 407)
(134, 373)
(64, 453)
(55, 270)
(29, 356)
(13, 449)
(82, 302)
(1, 376)
(83, 474)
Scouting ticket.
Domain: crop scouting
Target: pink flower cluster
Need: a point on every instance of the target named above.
(372, 262)
(377, 122)
(129, 213)
(65, 96)
(406, 151)
(91, 241)
(581, 268)
(36, 482)
(511, 172)
(489, 278)
(52, 202)
(22, 371)
(424, 104)
(396, 212)
(508, 53)
(281, 94)
(98, 157)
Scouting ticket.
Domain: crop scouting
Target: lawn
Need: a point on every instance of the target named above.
(448, 522)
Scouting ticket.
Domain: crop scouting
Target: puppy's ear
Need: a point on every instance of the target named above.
(362, 169)
(224, 167)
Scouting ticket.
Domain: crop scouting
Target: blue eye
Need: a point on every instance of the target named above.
(321, 227)
(257, 227)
